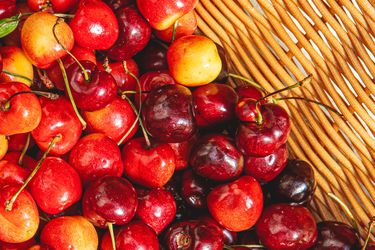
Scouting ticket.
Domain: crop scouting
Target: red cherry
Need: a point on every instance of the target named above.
(246, 110)
(236, 205)
(95, 156)
(7, 8)
(17, 246)
(110, 199)
(229, 237)
(156, 208)
(153, 57)
(248, 91)
(62, 6)
(28, 162)
(194, 190)
(266, 168)
(284, 226)
(137, 235)
(56, 186)
(116, 4)
(182, 151)
(215, 157)
(94, 25)
(17, 142)
(135, 33)
(58, 118)
(263, 139)
(11, 173)
(151, 167)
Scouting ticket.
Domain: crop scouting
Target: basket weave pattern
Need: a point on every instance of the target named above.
(276, 43)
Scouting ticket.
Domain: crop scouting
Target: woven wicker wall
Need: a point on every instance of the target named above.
(277, 42)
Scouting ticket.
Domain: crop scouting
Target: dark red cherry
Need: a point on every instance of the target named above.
(156, 208)
(263, 139)
(215, 157)
(334, 235)
(194, 189)
(92, 94)
(110, 199)
(153, 57)
(7, 8)
(248, 91)
(135, 33)
(295, 184)
(168, 114)
(266, 168)
(229, 237)
(214, 104)
(246, 110)
(283, 226)
(116, 4)
(124, 77)
(136, 235)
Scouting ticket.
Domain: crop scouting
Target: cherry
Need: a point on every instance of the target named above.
(247, 110)
(168, 114)
(125, 77)
(116, 4)
(335, 235)
(94, 25)
(295, 184)
(56, 186)
(264, 138)
(93, 93)
(136, 235)
(17, 142)
(153, 57)
(228, 236)
(214, 104)
(135, 33)
(194, 190)
(149, 166)
(283, 226)
(11, 173)
(94, 156)
(110, 199)
(156, 208)
(249, 91)
(28, 162)
(7, 8)
(236, 205)
(58, 119)
(17, 246)
(266, 168)
(182, 152)
(216, 157)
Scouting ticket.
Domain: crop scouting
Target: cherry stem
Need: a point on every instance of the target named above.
(61, 15)
(6, 105)
(309, 100)
(85, 74)
(9, 203)
(24, 150)
(133, 92)
(252, 83)
(17, 75)
(174, 31)
(346, 209)
(132, 126)
(69, 91)
(106, 65)
(371, 225)
(110, 228)
(296, 85)
(231, 247)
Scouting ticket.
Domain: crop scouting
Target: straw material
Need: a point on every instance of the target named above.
(276, 43)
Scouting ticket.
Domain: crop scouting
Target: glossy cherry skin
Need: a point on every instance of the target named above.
(21, 223)
(334, 235)
(295, 184)
(215, 157)
(56, 186)
(135, 33)
(17, 142)
(283, 226)
(114, 120)
(214, 104)
(137, 235)
(151, 167)
(70, 232)
(94, 94)
(125, 81)
(94, 25)
(162, 14)
(11, 173)
(229, 237)
(58, 119)
(153, 57)
(266, 168)
(182, 151)
(226, 203)
(168, 114)
(110, 199)
(24, 113)
(194, 189)
(156, 208)
(247, 110)
(28, 162)
(264, 139)
(152, 80)
(94, 156)
(248, 91)
(7, 8)
(116, 4)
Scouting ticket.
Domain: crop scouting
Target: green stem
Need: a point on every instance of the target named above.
(24, 150)
(58, 21)
(7, 104)
(252, 83)
(231, 247)
(174, 31)
(9, 203)
(111, 233)
(19, 76)
(69, 91)
(346, 209)
(371, 225)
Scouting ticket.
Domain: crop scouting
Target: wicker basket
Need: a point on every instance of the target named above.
(276, 43)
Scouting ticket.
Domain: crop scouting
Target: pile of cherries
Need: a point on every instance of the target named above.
(118, 131)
